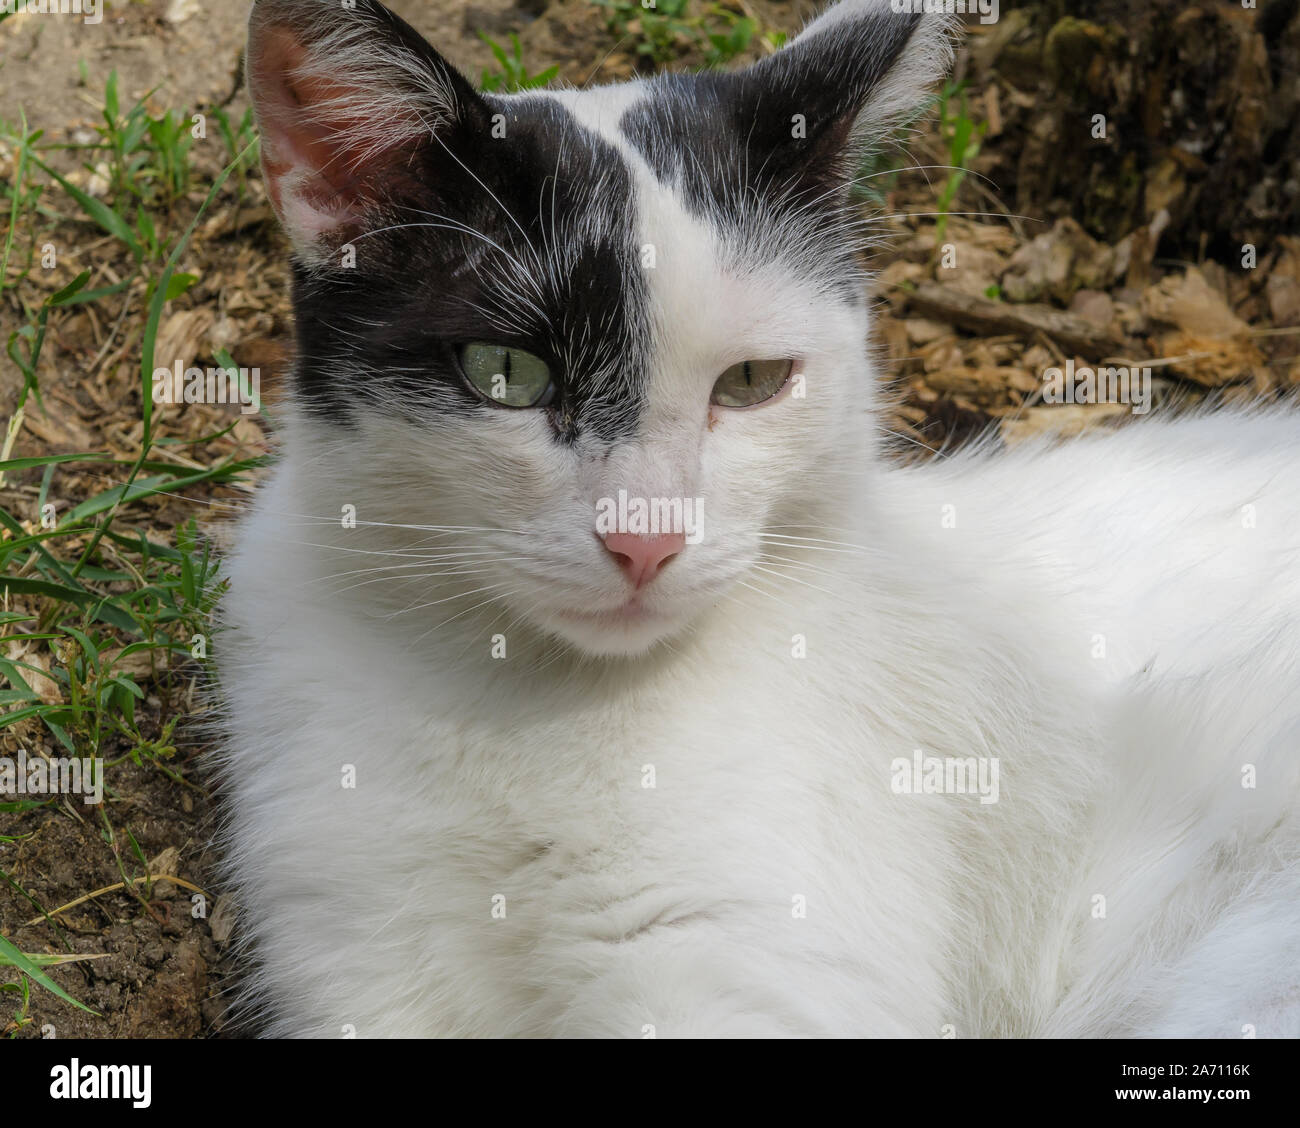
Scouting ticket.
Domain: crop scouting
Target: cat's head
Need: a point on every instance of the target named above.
(590, 357)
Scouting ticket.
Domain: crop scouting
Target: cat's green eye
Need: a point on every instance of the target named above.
(750, 382)
(505, 375)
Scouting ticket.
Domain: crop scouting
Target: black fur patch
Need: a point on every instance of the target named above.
(777, 131)
(525, 239)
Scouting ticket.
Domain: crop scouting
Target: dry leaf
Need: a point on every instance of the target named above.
(1191, 304)
(222, 922)
(165, 864)
(1060, 420)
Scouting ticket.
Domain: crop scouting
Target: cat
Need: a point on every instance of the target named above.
(591, 666)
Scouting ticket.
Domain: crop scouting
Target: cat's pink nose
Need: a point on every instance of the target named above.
(642, 557)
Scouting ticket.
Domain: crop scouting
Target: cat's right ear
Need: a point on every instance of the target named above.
(349, 101)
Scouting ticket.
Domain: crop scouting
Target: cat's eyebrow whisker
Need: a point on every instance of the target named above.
(454, 224)
(492, 195)
(603, 59)
(508, 315)
(993, 184)
(524, 273)
(501, 322)
(550, 241)
(909, 168)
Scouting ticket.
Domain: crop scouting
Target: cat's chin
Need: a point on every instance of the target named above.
(624, 632)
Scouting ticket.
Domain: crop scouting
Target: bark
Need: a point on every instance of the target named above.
(1201, 101)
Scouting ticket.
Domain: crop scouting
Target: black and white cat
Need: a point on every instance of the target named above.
(1004, 744)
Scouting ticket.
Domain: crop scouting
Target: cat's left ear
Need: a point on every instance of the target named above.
(354, 110)
(845, 81)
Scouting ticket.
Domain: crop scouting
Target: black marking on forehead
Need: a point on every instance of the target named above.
(699, 136)
(726, 141)
(525, 239)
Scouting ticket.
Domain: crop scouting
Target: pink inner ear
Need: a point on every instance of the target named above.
(311, 169)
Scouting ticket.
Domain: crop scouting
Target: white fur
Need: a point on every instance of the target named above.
(521, 781)
(1121, 775)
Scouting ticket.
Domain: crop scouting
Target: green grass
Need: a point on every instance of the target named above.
(663, 33)
(963, 136)
(29, 967)
(513, 74)
(883, 161)
(109, 606)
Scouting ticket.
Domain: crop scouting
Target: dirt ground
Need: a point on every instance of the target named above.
(964, 343)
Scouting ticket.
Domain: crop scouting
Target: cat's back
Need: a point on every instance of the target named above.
(1168, 541)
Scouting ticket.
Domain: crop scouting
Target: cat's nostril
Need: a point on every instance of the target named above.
(641, 558)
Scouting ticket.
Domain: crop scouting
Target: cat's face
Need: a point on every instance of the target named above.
(591, 350)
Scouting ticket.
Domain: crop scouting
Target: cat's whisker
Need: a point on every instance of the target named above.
(434, 530)
(924, 168)
(422, 562)
(404, 555)
(443, 528)
(770, 595)
(936, 451)
(823, 544)
(809, 544)
(446, 599)
(239, 507)
(491, 599)
(981, 214)
(436, 575)
(826, 526)
(793, 579)
(797, 565)
(504, 632)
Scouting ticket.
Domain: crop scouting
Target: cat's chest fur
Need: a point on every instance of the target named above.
(505, 832)
(512, 831)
